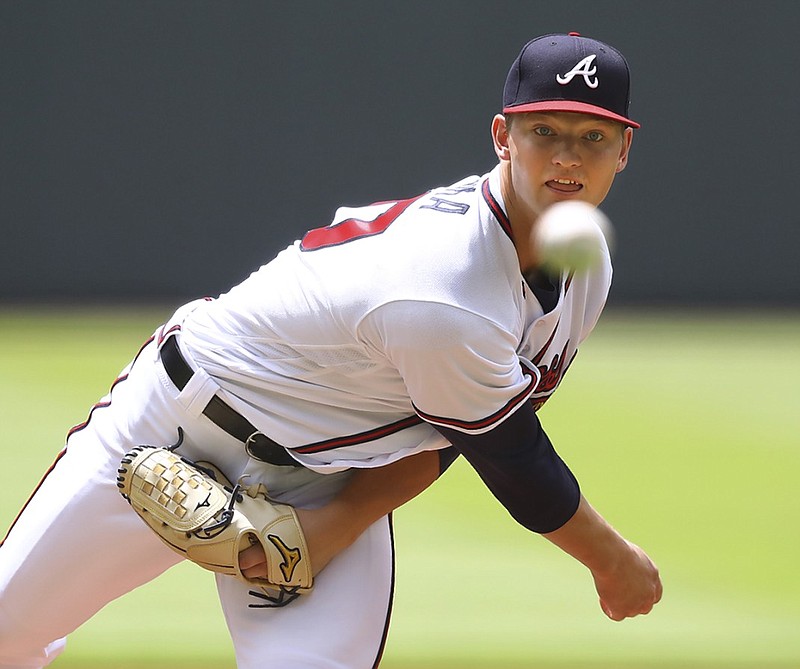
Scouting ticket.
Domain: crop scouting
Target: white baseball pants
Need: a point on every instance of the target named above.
(77, 545)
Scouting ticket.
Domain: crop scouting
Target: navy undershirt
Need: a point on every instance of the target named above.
(516, 459)
(519, 465)
(545, 288)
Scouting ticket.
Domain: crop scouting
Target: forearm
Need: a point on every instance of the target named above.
(626, 580)
(369, 495)
(588, 538)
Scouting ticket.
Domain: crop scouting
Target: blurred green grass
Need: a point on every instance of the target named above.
(683, 429)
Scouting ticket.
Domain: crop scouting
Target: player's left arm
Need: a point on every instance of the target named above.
(369, 495)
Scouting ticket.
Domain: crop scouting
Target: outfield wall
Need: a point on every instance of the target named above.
(163, 150)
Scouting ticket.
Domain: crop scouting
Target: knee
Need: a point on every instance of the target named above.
(19, 648)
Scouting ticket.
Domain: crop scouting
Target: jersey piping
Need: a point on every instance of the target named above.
(494, 419)
(496, 209)
(360, 438)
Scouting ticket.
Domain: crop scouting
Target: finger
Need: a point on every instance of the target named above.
(253, 573)
(609, 613)
(251, 557)
(648, 605)
(659, 591)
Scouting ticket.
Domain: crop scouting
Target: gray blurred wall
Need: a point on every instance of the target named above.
(163, 150)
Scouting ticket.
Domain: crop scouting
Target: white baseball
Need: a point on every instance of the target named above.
(571, 235)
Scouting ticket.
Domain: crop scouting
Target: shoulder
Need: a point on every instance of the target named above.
(442, 326)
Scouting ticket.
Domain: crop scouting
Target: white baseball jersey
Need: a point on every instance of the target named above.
(353, 348)
(353, 342)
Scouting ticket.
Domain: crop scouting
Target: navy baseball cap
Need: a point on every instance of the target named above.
(569, 73)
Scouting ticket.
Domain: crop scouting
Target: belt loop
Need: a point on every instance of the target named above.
(198, 395)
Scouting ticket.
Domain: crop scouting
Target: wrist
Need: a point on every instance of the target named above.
(610, 560)
(588, 538)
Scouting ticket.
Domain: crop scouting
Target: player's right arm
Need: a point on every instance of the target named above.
(369, 495)
(510, 450)
(519, 465)
(626, 580)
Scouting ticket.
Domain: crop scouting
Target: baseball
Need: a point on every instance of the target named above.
(571, 236)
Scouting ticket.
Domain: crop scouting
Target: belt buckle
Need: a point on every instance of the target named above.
(269, 451)
(248, 445)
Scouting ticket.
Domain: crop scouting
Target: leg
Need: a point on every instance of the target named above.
(76, 546)
(341, 624)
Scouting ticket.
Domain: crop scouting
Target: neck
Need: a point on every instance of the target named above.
(521, 219)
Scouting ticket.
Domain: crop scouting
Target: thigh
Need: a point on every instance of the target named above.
(341, 623)
(77, 544)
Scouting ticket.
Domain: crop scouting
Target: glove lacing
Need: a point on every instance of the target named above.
(226, 517)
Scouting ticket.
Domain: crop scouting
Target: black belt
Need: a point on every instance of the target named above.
(257, 445)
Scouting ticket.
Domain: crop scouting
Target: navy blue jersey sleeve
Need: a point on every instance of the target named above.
(519, 465)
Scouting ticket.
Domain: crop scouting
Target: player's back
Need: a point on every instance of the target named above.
(306, 334)
(311, 300)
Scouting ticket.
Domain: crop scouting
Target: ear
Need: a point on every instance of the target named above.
(627, 139)
(500, 137)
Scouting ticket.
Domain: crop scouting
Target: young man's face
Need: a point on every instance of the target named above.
(557, 156)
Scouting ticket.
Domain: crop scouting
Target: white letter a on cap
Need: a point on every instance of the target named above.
(584, 69)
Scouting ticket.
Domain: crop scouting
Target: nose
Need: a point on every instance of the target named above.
(567, 155)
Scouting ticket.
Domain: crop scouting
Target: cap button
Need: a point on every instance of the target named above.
(574, 34)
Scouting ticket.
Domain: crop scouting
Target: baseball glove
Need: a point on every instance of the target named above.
(198, 513)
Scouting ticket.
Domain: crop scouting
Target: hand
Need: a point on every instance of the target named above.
(253, 562)
(625, 578)
(326, 533)
(631, 587)
(369, 495)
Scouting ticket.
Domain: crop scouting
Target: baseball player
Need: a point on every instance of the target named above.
(268, 434)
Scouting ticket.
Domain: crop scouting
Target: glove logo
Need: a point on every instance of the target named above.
(291, 556)
(205, 502)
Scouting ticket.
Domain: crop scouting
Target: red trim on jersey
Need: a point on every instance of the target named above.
(360, 438)
(163, 334)
(497, 210)
(497, 417)
(538, 357)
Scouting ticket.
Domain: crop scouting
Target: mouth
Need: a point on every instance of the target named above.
(564, 185)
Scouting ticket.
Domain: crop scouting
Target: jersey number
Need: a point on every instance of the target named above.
(353, 228)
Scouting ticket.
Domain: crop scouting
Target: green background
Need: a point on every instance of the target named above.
(682, 428)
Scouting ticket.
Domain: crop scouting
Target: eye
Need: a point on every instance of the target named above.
(543, 131)
(595, 136)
